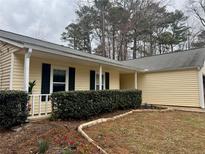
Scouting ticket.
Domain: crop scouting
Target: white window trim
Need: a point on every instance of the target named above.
(51, 77)
(97, 73)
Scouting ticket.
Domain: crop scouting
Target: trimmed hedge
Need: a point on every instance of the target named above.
(13, 108)
(85, 104)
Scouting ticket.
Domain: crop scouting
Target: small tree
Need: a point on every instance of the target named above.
(31, 86)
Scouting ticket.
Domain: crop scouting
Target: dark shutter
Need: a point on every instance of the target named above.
(92, 80)
(45, 79)
(107, 80)
(71, 83)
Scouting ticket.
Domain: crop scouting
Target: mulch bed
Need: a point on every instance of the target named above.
(57, 133)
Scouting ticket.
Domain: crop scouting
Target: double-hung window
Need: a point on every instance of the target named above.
(59, 80)
(97, 81)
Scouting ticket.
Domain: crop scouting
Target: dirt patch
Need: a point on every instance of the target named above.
(152, 132)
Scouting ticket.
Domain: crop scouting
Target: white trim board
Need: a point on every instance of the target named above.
(201, 89)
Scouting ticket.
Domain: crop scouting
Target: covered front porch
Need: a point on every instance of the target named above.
(54, 72)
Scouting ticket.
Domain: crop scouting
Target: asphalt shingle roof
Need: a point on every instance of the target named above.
(59, 48)
(172, 61)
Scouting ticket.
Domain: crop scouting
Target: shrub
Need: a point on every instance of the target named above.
(85, 104)
(13, 108)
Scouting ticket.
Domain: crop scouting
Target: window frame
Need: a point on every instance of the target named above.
(103, 79)
(66, 77)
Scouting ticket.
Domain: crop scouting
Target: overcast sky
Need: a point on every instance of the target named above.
(45, 19)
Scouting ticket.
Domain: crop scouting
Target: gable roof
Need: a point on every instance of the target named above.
(172, 61)
(29, 42)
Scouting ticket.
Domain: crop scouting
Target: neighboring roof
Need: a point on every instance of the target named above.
(171, 61)
(29, 42)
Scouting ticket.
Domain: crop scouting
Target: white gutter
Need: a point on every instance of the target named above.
(72, 55)
(20, 45)
(164, 70)
(63, 53)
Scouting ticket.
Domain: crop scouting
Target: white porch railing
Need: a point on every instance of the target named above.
(40, 105)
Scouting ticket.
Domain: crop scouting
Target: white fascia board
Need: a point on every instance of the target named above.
(20, 45)
(63, 53)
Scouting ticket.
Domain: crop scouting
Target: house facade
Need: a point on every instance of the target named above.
(171, 79)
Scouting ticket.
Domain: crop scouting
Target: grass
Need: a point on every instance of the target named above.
(152, 132)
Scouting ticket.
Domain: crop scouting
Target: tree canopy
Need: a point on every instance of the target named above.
(123, 30)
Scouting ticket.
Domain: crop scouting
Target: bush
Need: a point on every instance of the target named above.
(85, 104)
(13, 108)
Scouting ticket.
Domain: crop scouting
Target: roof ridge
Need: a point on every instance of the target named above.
(169, 53)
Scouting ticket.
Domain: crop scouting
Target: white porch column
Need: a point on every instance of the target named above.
(27, 68)
(136, 79)
(100, 77)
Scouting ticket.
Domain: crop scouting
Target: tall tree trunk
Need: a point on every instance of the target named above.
(89, 44)
(144, 52)
(160, 49)
(135, 46)
(113, 44)
(120, 50)
(151, 45)
(74, 43)
(125, 51)
(103, 33)
(109, 47)
(172, 48)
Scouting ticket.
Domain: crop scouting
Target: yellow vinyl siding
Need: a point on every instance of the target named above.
(180, 88)
(114, 79)
(18, 72)
(5, 65)
(127, 81)
(82, 81)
